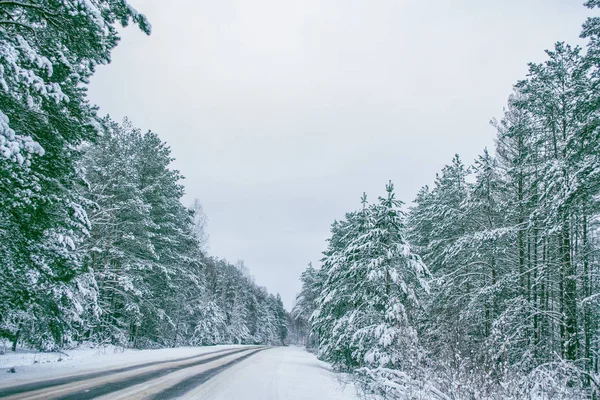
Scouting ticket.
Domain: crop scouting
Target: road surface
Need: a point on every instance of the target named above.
(242, 372)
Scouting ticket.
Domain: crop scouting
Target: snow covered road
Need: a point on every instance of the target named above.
(280, 373)
(219, 373)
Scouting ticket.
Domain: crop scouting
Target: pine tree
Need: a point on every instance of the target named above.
(306, 304)
(364, 315)
(119, 247)
(45, 64)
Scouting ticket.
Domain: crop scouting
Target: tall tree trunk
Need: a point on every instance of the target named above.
(586, 293)
(570, 293)
(17, 337)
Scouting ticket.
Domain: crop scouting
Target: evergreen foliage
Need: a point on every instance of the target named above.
(96, 244)
(508, 306)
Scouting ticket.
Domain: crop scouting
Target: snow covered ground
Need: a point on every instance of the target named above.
(230, 373)
(281, 373)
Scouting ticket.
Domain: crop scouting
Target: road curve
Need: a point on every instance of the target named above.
(153, 380)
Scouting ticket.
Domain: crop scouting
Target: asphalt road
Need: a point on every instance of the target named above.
(155, 380)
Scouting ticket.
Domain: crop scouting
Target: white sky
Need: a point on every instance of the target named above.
(281, 113)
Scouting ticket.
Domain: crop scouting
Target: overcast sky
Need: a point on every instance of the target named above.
(281, 113)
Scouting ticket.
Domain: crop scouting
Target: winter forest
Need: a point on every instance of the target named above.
(487, 285)
(95, 244)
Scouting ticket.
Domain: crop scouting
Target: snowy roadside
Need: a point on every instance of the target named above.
(32, 365)
(289, 373)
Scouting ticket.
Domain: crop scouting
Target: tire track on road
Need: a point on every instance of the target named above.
(45, 384)
(189, 384)
(84, 387)
(115, 386)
